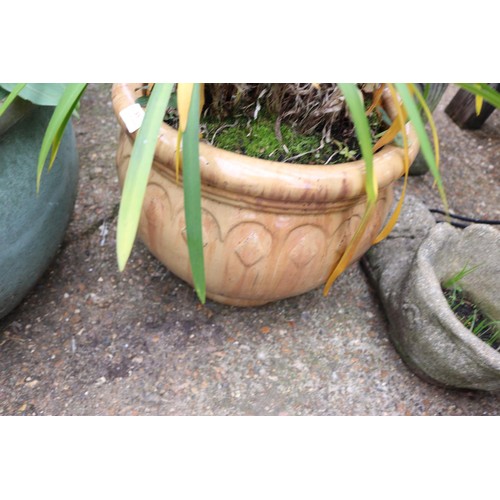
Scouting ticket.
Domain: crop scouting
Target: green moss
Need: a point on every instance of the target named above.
(258, 139)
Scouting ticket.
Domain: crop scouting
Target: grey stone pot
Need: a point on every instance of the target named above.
(32, 225)
(408, 269)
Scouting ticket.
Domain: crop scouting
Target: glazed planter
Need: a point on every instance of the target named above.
(408, 269)
(32, 225)
(270, 230)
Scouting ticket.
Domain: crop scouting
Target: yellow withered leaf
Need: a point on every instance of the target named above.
(391, 133)
(400, 119)
(351, 248)
(202, 96)
(377, 97)
(361, 124)
(184, 94)
(388, 137)
(479, 104)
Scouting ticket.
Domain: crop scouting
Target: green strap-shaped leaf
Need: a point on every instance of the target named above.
(483, 90)
(42, 94)
(138, 172)
(13, 94)
(192, 194)
(356, 106)
(358, 116)
(55, 129)
(68, 104)
(418, 123)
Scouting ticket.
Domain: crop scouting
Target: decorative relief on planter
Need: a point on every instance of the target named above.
(158, 207)
(251, 242)
(286, 250)
(305, 243)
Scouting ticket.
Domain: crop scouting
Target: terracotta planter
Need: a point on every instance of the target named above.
(270, 230)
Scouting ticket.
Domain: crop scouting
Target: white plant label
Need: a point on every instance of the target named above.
(132, 116)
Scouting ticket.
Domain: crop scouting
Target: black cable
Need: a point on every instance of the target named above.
(466, 219)
(454, 224)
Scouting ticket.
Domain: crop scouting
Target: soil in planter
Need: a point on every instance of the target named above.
(472, 318)
(296, 123)
(262, 138)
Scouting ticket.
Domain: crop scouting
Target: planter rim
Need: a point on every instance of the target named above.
(255, 178)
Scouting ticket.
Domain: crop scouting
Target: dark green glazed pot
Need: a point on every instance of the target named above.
(32, 225)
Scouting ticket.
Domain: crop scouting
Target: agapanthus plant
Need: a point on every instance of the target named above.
(409, 102)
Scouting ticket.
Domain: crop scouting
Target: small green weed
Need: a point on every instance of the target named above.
(468, 313)
(453, 282)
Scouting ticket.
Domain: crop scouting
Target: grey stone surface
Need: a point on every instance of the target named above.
(90, 340)
(408, 269)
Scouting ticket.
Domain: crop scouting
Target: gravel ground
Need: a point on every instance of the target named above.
(89, 340)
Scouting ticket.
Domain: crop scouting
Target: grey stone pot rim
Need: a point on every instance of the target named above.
(445, 236)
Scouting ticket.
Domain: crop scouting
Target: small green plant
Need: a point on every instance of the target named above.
(468, 313)
(453, 283)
